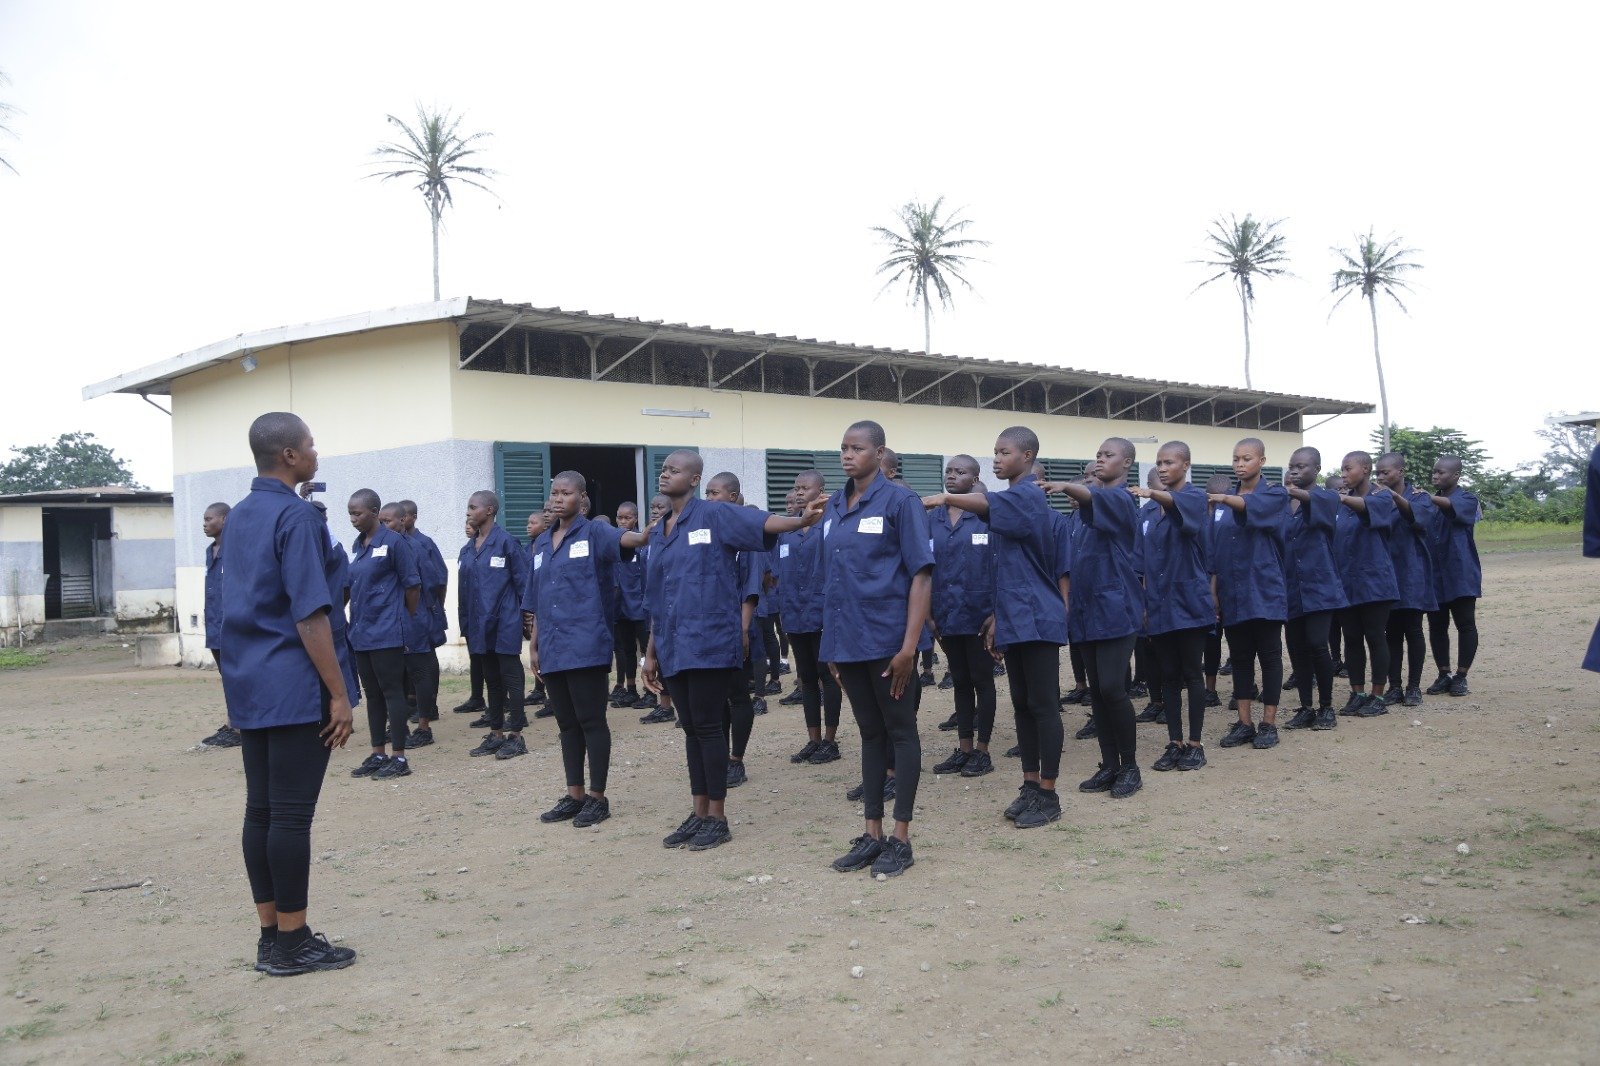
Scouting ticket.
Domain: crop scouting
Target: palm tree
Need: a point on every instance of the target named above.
(926, 252)
(1373, 268)
(432, 155)
(1246, 250)
(6, 111)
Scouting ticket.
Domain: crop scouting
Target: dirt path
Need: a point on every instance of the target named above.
(1192, 923)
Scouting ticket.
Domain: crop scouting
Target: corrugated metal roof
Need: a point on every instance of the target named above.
(156, 379)
(93, 494)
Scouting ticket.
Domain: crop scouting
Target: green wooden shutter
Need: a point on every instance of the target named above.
(924, 474)
(785, 464)
(522, 480)
(654, 456)
(1200, 473)
(1063, 470)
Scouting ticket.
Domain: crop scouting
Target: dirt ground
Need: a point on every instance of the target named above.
(1307, 904)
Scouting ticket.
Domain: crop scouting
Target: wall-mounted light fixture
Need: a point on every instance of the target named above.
(663, 412)
(248, 363)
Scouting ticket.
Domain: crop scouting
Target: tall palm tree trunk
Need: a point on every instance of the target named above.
(927, 326)
(1383, 392)
(433, 211)
(1244, 308)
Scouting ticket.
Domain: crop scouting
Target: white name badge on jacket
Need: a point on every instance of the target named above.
(580, 550)
(699, 536)
(872, 525)
(980, 538)
(380, 552)
(497, 562)
(783, 551)
(538, 560)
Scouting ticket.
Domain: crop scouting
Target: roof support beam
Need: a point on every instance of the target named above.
(762, 354)
(1325, 421)
(1292, 414)
(852, 372)
(485, 345)
(1191, 407)
(1240, 414)
(935, 382)
(1136, 403)
(1086, 392)
(631, 353)
(982, 403)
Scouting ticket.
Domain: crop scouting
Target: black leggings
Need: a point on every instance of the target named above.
(1033, 669)
(1405, 635)
(630, 638)
(887, 724)
(578, 698)
(1144, 670)
(1106, 663)
(1179, 659)
(819, 691)
(1311, 657)
(503, 677)
(422, 679)
(283, 771)
(475, 671)
(739, 716)
(972, 673)
(383, 675)
(769, 642)
(1075, 656)
(700, 697)
(1213, 650)
(1464, 612)
(1366, 629)
(1247, 642)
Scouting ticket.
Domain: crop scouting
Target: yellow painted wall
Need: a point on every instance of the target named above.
(142, 522)
(21, 524)
(348, 389)
(509, 407)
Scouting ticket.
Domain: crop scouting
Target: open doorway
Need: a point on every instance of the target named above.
(613, 473)
(77, 544)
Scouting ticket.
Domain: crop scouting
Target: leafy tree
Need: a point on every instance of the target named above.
(1566, 454)
(6, 111)
(1371, 269)
(1422, 447)
(73, 461)
(432, 155)
(1245, 250)
(927, 251)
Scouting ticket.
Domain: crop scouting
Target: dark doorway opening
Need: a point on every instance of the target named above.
(612, 473)
(77, 544)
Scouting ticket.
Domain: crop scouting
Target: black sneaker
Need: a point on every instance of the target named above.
(895, 858)
(1227, 668)
(596, 809)
(978, 764)
(1292, 681)
(758, 706)
(1441, 686)
(889, 789)
(783, 667)
(1266, 736)
(1212, 699)
(1024, 799)
(946, 683)
(545, 711)
(1088, 732)
(1161, 717)
(1341, 670)
(659, 715)
(1458, 686)
(534, 698)
(472, 706)
(1238, 733)
(369, 766)
(805, 753)
(566, 808)
(480, 722)
(419, 738)
(773, 688)
(488, 745)
(314, 953)
(264, 951)
(713, 833)
(945, 726)
(1169, 758)
(736, 774)
(514, 745)
(1394, 695)
(1353, 706)
(1138, 690)
(683, 834)
(954, 763)
(926, 679)
(1193, 757)
(1233, 703)
(415, 718)
(227, 737)
(1149, 713)
(1326, 719)
(1014, 751)
(1372, 708)
(829, 752)
(864, 851)
(855, 794)
(999, 669)
(1412, 698)
(397, 766)
(1128, 782)
(1301, 719)
(219, 739)
(646, 702)
(1043, 807)
(794, 699)
(1102, 780)
(617, 697)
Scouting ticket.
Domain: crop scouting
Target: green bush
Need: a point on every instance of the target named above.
(1563, 507)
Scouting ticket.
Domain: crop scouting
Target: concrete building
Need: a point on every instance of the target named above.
(96, 559)
(436, 400)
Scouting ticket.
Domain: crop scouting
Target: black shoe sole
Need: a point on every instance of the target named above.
(946, 768)
(852, 869)
(1053, 816)
(823, 760)
(896, 872)
(978, 773)
(296, 971)
(586, 825)
(711, 847)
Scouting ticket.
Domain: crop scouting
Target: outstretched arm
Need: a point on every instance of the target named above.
(972, 502)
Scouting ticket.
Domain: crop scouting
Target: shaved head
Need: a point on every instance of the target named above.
(1021, 438)
(727, 480)
(873, 431)
(486, 498)
(688, 460)
(811, 477)
(1451, 463)
(273, 432)
(1253, 442)
(1181, 447)
(366, 498)
(1312, 453)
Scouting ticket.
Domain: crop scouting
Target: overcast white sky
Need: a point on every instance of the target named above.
(193, 170)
